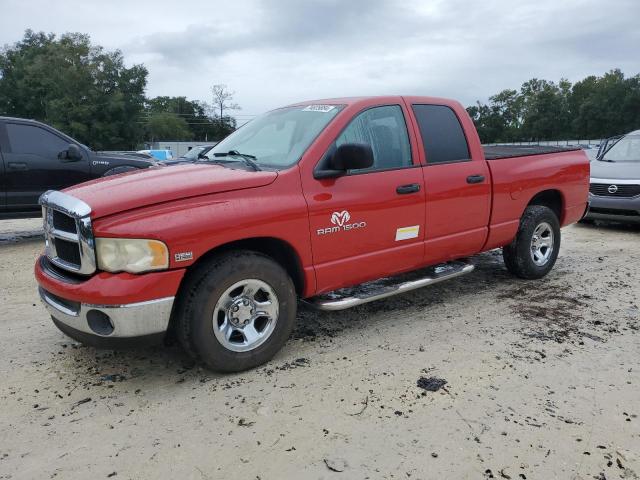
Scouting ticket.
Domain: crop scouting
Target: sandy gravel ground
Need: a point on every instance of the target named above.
(542, 381)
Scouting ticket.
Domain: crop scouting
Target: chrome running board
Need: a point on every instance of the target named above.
(387, 287)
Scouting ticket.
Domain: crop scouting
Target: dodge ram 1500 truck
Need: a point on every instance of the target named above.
(304, 202)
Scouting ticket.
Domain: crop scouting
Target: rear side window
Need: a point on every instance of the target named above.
(30, 139)
(442, 135)
(384, 129)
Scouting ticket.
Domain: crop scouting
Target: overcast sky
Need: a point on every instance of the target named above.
(281, 51)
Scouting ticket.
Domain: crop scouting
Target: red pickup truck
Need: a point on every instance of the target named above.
(304, 202)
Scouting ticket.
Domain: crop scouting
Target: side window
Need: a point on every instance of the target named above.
(442, 135)
(384, 129)
(34, 140)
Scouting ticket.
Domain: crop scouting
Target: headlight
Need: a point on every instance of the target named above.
(131, 255)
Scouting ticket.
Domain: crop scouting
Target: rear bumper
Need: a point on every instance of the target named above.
(625, 210)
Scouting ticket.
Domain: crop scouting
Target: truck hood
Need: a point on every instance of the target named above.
(615, 170)
(137, 189)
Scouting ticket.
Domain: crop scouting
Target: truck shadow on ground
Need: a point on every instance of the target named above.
(96, 367)
(547, 310)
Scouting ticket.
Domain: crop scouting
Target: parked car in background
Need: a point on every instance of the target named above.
(614, 193)
(35, 157)
(161, 155)
(197, 153)
(128, 153)
(302, 201)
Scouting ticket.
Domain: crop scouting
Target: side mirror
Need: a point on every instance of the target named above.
(348, 156)
(72, 154)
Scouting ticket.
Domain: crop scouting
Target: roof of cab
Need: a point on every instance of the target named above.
(368, 99)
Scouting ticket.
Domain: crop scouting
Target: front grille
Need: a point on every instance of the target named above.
(64, 222)
(614, 190)
(68, 233)
(68, 251)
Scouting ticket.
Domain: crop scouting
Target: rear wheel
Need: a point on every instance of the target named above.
(534, 251)
(236, 311)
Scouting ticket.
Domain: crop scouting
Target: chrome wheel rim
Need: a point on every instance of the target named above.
(542, 244)
(245, 315)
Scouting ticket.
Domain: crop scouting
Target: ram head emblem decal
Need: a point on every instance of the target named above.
(340, 218)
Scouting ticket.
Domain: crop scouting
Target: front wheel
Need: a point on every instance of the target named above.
(236, 311)
(534, 251)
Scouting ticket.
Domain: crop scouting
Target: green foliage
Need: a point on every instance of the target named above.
(75, 86)
(595, 107)
(168, 126)
(89, 94)
(194, 113)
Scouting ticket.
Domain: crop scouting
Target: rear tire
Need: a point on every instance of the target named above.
(534, 250)
(236, 311)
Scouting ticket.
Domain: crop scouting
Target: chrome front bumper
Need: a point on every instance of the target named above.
(111, 321)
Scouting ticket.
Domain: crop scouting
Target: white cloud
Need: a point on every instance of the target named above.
(278, 52)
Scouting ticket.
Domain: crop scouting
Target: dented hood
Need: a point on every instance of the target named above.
(141, 188)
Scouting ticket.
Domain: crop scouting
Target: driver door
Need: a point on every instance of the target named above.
(369, 222)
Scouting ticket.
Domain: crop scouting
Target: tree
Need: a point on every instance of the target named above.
(222, 97)
(203, 127)
(192, 112)
(607, 105)
(594, 107)
(488, 121)
(545, 110)
(75, 86)
(168, 126)
(222, 101)
(508, 105)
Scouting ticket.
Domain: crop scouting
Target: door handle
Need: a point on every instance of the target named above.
(17, 166)
(411, 188)
(475, 179)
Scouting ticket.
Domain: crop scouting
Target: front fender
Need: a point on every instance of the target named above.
(194, 226)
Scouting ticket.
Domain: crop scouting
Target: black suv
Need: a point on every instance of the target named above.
(35, 157)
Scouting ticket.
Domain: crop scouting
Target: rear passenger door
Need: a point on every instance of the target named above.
(457, 187)
(32, 165)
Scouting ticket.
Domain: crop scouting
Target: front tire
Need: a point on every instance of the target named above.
(236, 311)
(534, 251)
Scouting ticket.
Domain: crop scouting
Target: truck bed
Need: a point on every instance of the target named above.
(498, 152)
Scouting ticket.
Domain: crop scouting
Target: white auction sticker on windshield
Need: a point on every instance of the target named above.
(318, 108)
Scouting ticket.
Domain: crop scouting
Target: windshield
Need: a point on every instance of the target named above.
(279, 138)
(194, 153)
(627, 149)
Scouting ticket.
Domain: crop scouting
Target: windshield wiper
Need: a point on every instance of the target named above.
(248, 159)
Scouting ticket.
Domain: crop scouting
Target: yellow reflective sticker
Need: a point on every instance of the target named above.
(405, 233)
